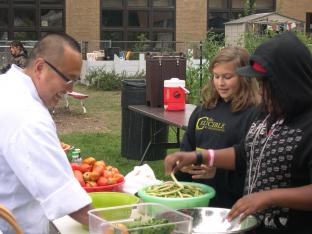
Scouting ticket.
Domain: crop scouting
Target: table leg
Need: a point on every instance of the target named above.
(145, 152)
(83, 107)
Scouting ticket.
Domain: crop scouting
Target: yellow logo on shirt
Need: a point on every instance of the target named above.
(209, 123)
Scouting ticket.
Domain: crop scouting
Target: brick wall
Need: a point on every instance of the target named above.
(83, 19)
(294, 9)
(191, 20)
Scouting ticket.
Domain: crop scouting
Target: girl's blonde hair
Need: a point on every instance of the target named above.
(247, 93)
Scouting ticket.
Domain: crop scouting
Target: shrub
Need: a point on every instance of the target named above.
(101, 79)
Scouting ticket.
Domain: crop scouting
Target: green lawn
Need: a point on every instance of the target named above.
(105, 143)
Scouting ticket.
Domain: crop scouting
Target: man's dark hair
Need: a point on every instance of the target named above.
(51, 47)
(20, 45)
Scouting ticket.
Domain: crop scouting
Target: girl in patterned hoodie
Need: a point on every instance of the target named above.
(277, 150)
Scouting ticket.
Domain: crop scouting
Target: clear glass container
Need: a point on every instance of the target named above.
(138, 218)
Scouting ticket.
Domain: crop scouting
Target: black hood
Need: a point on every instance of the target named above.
(289, 62)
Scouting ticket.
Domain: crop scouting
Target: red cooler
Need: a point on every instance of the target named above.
(174, 94)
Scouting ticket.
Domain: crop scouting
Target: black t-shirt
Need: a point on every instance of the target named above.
(214, 129)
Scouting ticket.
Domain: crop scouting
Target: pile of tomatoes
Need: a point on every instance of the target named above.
(92, 173)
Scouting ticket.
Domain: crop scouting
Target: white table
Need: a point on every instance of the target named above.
(67, 225)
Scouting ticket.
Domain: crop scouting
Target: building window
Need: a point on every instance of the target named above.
(163, 19)
(30, 19)
(217, 20)
(112, 18)
(137, 3)
(163, 3)
(51, 18)
(217, 4)
(24, 17)
(3, 18)
(237, 4)
(137, 20)
(222, 11)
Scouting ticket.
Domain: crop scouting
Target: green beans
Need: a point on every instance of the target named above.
(172, 190)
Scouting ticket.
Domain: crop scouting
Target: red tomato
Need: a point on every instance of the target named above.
(102, 181)
(98, 168)
(78, 175)
(111, 180)
(115, 170)
(85, 167)
(75, 166)
(100, 162)
(119, 177)
(89, 160)
(91, 184)
(109, 168)
(91, 176)
(107, 173)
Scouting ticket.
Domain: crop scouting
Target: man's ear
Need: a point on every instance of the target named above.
(38, 67)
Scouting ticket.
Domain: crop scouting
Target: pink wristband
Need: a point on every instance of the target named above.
(211, 155)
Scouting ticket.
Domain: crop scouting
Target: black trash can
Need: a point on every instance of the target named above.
(136, 130)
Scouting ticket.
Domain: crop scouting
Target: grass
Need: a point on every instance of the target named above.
(104, 144)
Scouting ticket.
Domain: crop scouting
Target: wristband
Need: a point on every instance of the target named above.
(211, 156)
(199, 159)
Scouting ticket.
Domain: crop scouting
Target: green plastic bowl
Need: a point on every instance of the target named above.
(181, 203)
(111, 199)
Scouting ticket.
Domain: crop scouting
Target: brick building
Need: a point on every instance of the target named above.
(128, 20)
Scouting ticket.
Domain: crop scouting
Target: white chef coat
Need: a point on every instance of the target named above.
(37, 183)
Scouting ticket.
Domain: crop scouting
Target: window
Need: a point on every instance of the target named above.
(137, 36)
(112, 3)
(163, 20)
(217, 4)
(138, 19)
(114, 36)
(23, 36)
(52, 2)
(24, 17)
(217, 19)
(264, 4)
(163, 3)
(137, 3)
(239, 4)
(112, 18)
(24, 2)
(3, 18)
(51, 18)
(29, 19)
(222, 11)
(4, 36)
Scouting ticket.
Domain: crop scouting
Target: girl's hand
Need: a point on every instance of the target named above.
(177, 160)
(250, 204)
(200, 172)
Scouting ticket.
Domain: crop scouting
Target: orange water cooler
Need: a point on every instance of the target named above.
(174, 94)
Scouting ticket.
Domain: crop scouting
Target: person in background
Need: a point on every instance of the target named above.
(37, 182)
(229, 106)
(19, 55)
(277, 149)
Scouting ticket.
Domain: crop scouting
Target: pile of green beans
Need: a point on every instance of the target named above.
(172, 190)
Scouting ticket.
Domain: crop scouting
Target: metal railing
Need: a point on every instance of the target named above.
(120, 48)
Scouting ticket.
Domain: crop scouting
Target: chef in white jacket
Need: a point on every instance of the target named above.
(37, 183)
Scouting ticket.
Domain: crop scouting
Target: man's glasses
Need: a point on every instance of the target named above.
(67, 80)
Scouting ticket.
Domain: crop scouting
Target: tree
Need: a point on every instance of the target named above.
(249, 7)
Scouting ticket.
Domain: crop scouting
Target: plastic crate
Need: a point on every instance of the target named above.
(115, 220)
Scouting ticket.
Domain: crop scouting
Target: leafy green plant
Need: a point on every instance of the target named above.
(210, 47)
(101, 79)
